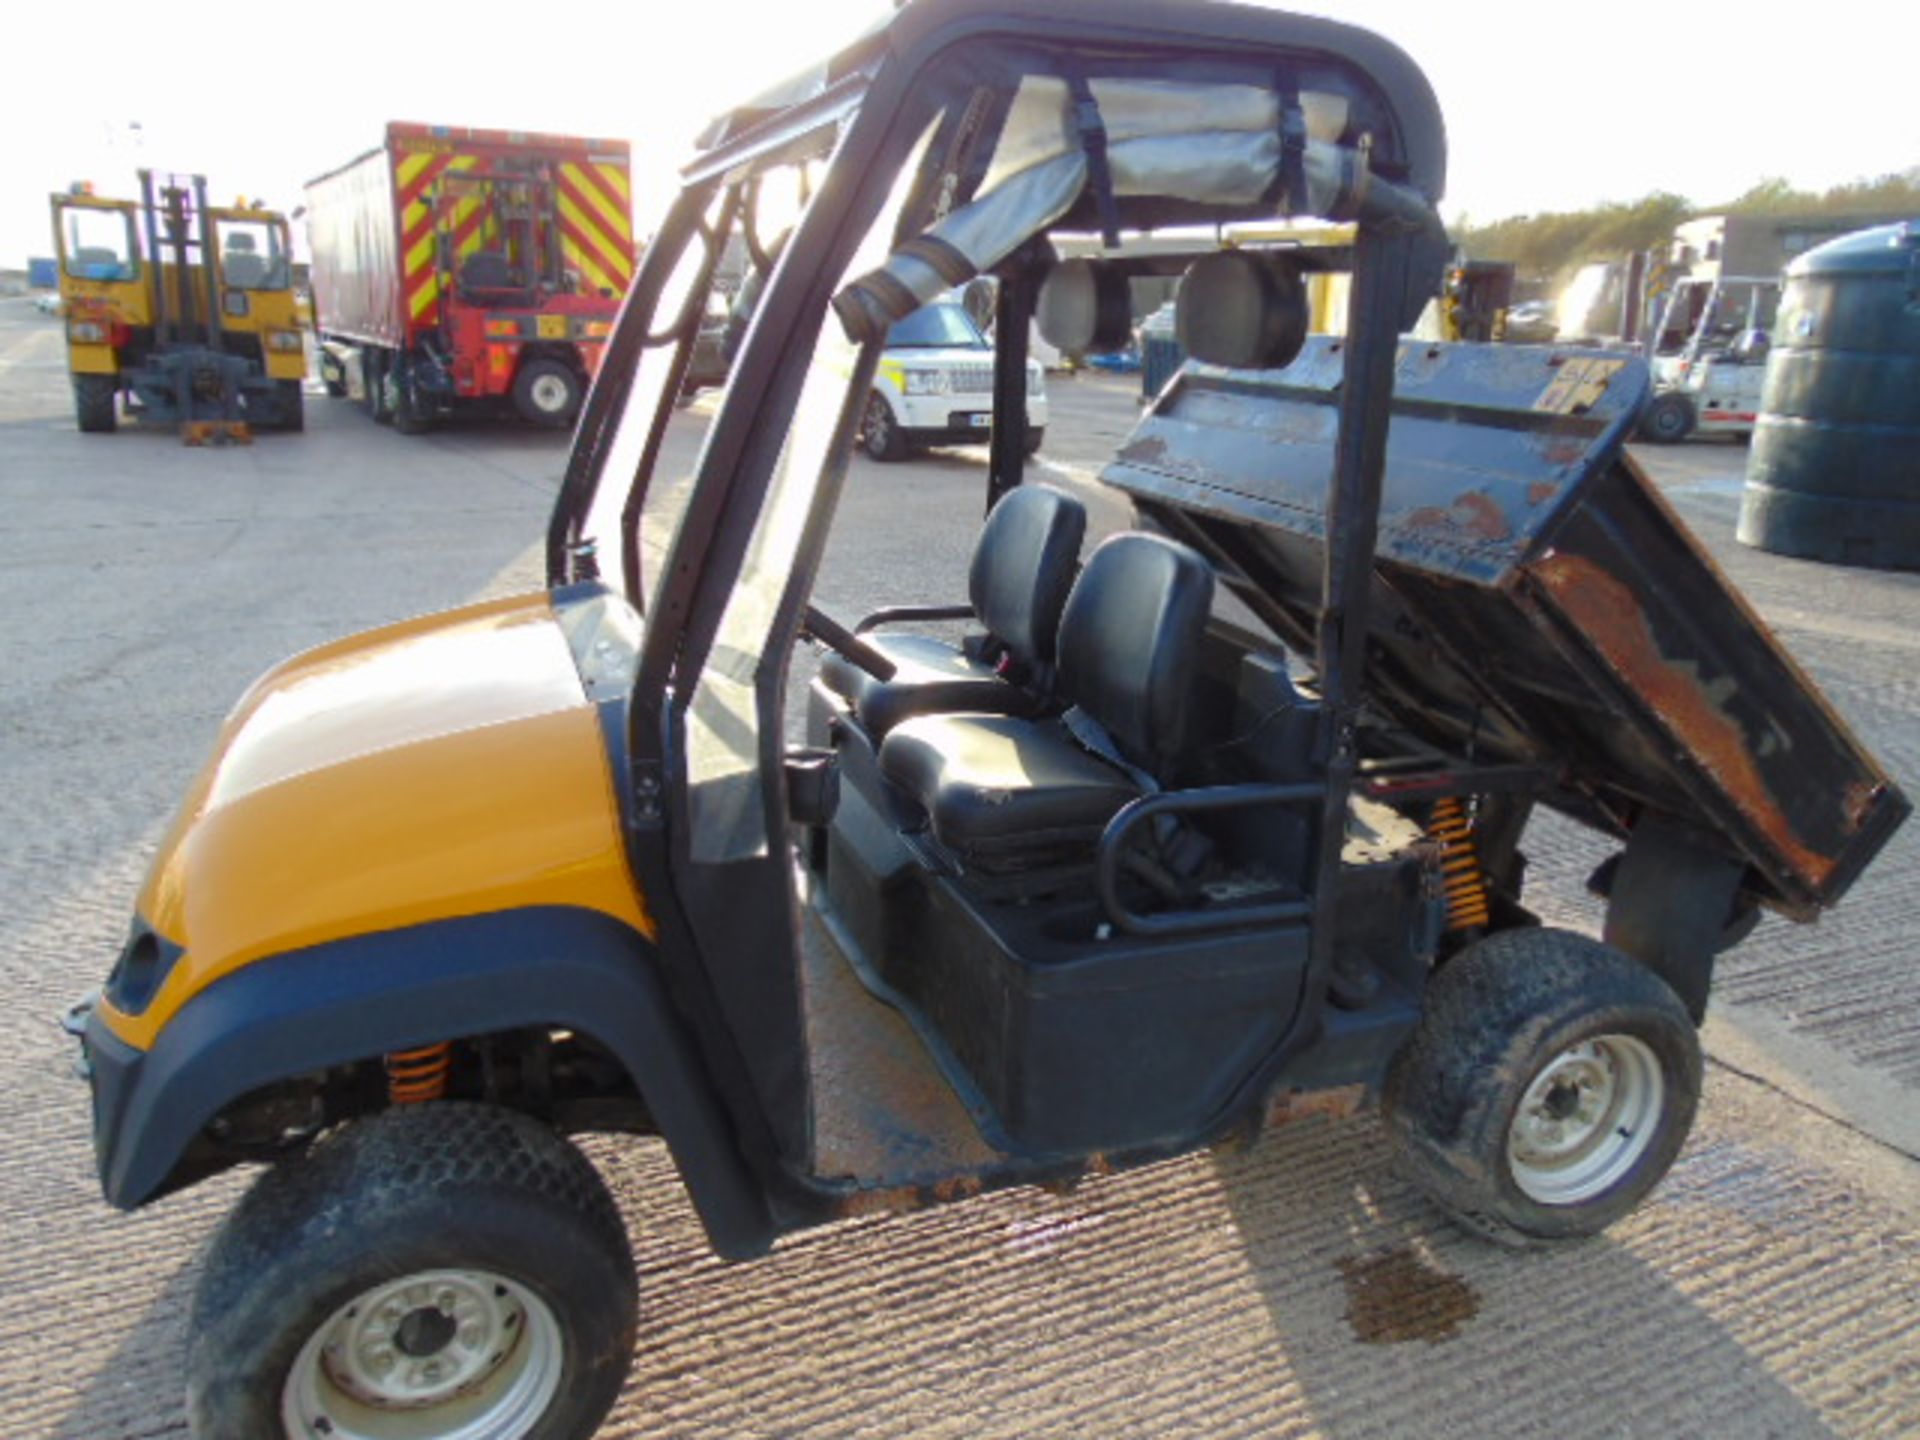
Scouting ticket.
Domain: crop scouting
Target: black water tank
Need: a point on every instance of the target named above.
(1835, 469)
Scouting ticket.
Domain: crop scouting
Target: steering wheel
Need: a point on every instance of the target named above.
(817, 625)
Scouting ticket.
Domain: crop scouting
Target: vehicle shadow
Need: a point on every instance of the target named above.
(1297, 1289)
(1388, 1320)
(138, 1390)
(1294, 1289)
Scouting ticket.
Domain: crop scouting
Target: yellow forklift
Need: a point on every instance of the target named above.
(184, 308)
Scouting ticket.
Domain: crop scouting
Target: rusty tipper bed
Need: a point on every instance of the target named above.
(1536, 603)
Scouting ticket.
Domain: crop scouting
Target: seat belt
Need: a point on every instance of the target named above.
(1094, 739)
(1184, 850)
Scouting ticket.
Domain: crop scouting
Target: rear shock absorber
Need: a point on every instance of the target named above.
(419, 1074)
(1461, 879)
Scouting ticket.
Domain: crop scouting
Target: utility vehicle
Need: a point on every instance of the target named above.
(1216, 825)
(183, 308)
(1709, 355)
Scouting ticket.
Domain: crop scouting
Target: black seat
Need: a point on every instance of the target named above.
(1007, 793)
(1021, 572)
(488, 270)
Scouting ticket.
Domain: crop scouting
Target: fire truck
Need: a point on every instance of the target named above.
(458, 269)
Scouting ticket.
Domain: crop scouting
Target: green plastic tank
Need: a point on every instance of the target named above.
(1834, 473)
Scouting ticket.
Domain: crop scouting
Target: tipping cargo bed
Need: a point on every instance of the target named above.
(1536, 601)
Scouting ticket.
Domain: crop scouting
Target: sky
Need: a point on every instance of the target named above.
(1548, 106)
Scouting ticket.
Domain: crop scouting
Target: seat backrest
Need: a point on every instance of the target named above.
(1023, 568)
(1130, 642)
(487, 270)
(243, 269)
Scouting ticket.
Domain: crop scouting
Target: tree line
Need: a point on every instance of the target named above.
(1547, 246)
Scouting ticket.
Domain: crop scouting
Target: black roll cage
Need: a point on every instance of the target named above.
(932, 53)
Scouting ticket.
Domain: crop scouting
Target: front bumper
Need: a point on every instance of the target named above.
(111, 1068)
(956, 419)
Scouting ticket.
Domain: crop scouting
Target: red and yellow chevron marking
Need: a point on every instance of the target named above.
(596, 228)
(592, 197)
(417, 178)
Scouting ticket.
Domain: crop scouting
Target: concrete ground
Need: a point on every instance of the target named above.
(1769, 1288)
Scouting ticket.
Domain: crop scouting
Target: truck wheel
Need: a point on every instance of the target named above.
(409, 416)
(373, 378)
(1548, 1087)
(93, 401)
(1036, 437)
(880, 436)
(1669, 419)
(292, 406)
(332, 373)
(439, 1270)
(545, 392)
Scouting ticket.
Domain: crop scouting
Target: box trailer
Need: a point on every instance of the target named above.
(455, 267)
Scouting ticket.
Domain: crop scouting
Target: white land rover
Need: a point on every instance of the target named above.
(935, 386)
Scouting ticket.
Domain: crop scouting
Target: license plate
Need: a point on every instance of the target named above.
(980, 422)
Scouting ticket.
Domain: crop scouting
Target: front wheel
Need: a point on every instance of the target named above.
(93, 401)
(547, 393)
(1547, 1089)
(1669, 419)
(292, 407)
(438, 1271)
(880, 434)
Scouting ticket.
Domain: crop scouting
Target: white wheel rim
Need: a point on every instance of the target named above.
(437, 1355)
(549, 393)
(1586, 1119)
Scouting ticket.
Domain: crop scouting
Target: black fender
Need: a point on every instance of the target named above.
(346, 1000)
(1674, 904)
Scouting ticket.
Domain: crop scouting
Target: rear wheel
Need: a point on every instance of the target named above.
(292, 405)
(547, 393)
(374, 379)
(438, 1272)
(880, 435)
(1550, 1084)
(409, 415)
(93, 403)
(1669, 419)
(1036, 437)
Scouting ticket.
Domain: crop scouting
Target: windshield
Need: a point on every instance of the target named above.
(251, 255)
(937, 327)
(98, 243)
(642, 484)
(725, 722)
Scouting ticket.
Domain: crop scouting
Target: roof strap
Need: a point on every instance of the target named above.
(1093, 140)
(1293, 147)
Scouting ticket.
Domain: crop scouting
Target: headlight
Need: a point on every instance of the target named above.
(1036, 379)
(928, 382)
(283, 340)
(86, 332)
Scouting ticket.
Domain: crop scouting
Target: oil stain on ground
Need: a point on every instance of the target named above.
(1397, 1295)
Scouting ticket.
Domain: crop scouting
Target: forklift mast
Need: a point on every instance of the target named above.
(177, 218)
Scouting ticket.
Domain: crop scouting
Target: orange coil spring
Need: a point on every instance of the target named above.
(1461, 880)
(416, 1075)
